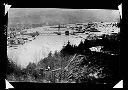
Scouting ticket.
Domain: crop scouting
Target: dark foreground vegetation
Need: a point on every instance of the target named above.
(74, 64)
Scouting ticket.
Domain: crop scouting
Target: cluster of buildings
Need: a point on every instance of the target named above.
(89, 27)
(17, 38)
(20, 37)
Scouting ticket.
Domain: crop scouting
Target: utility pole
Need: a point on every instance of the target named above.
(59, 28)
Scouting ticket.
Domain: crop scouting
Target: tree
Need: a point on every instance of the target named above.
(12, 67)
(30, 68)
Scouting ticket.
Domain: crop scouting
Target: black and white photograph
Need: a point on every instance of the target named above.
(59, 45)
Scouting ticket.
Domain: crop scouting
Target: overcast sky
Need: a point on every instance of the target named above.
(61, 16)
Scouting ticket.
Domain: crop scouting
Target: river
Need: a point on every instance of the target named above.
(39, 48)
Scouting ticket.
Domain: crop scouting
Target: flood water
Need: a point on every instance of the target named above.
(40, 47)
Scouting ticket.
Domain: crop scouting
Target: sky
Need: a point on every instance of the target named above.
(61, 16)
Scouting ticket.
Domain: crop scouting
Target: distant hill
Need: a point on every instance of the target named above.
(60, 16)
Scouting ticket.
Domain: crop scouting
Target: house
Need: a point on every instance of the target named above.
(66, 32)
(96, 49)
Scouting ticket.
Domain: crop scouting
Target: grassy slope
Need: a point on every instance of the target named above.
(90, 67)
